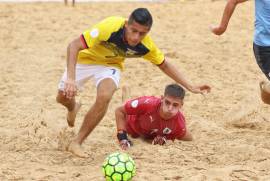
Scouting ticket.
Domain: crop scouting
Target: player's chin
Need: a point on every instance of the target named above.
(133, 44)
(169, 116)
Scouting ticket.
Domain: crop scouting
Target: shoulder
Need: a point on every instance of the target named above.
(144, 102)
(148, 42)
(111, 23)
(150, 103)
(113, 19)
(180, 119)
(106, 27)
(150, 100)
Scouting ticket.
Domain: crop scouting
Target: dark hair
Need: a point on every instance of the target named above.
(141, 16)
(174, 90)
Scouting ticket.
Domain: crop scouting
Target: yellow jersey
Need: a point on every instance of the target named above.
(104, 45)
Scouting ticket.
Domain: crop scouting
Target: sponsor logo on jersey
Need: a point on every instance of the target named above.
(94, 33)
(134, 103)
(167, 130)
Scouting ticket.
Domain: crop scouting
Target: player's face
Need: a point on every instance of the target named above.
(134, 33)
(170, 106)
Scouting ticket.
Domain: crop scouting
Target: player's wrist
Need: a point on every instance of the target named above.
(122, 135)
(70, 81)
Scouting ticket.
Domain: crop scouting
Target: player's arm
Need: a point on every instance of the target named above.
(120, 118)
(176, 75)
(72, 52)
(120, 115)
(186, 137)
(227, 13)
(88, 39)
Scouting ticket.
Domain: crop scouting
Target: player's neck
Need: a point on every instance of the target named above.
(162, 115)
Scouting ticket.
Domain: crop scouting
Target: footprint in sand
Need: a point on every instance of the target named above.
(244, 175)
(64, 138)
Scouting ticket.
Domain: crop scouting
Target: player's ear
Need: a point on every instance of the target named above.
(181, 104)
(126, 23)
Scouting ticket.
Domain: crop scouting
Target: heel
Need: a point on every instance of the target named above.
(265, 94)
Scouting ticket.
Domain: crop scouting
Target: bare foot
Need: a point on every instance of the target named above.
(265, 92)
(77, 150)
(71, 115)
(265, 86)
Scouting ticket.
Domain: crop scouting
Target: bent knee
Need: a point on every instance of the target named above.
(104, 98)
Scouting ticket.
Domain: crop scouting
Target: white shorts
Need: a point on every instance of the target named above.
(97, 72)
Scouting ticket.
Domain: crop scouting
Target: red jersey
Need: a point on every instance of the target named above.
(143, 119)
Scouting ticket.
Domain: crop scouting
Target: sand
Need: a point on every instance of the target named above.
(231, 126)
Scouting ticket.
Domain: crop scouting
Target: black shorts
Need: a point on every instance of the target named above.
(262, 55)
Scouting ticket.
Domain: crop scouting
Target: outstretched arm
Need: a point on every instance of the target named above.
(120, 117)
(228, 11)
(172, 72)
(161, 140)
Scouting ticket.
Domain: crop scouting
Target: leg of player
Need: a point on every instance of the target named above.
(71, 105)
(262, 55)
(105, 91)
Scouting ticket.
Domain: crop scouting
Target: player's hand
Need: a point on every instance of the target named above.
(125, 144)
(70, 89)
(217, 30)
(200, 89)
(159, 140)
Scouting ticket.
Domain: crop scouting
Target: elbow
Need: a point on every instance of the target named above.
(68, 47)
(234, 2)
(118, 111)
(190, 138)
(74, 46)
(71, 46)
(164, 65)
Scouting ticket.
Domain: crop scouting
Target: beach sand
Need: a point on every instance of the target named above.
(231, 126)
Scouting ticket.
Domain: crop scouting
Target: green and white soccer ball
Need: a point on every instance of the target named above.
(118, 167)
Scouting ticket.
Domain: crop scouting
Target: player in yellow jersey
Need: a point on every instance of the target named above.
(99, 54)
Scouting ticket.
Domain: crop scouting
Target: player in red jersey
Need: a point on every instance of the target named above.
(154, 118)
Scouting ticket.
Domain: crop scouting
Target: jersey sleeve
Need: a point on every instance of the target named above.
(137, 106)
(101, 31)
(154, 55)
(179, 127)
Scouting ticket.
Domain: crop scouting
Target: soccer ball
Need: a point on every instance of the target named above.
(118, 167)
